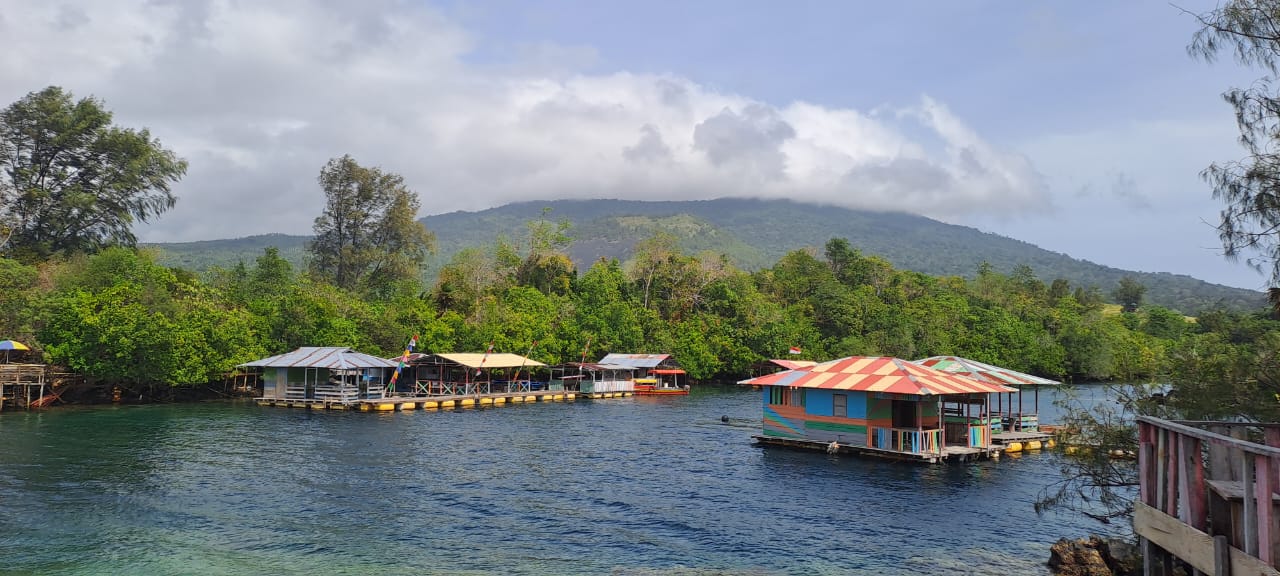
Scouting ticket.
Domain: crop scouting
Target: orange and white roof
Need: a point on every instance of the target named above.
(878, 374)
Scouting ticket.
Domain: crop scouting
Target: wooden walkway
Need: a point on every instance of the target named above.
(1220, 519)
(959, 453)
(1004, 438)
(410, 403)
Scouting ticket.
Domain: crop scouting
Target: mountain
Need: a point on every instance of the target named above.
(754, 234)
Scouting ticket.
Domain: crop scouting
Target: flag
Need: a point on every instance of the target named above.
(794, 350)
(485, 357)
(413, 342)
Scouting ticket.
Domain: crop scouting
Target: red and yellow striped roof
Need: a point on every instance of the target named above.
(878, 374)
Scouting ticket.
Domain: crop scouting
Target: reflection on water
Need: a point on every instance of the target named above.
(633, 486)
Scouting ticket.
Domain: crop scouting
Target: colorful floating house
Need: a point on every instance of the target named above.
(593, 379)
(1006, 418)
(466, 374)
(655, 374)
(329, 374)
(876, 405)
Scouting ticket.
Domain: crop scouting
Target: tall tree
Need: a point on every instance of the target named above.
(1250, 187)
(1129, 294)
(368, 235)
(70, 181)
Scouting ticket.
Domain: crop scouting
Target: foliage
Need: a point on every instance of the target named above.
(1249, 222)
(755, 234)
(367, 237)
(73, 182)
(1129, 294)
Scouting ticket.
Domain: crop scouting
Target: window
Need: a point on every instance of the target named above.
(839, 405)
(779, 396)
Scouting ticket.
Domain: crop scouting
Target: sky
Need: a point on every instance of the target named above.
(1078, 127)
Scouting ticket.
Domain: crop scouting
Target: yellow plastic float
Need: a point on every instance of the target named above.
(1034, 445)
(448, 404)
(467, 402)
(1013, 447)
(486, 401)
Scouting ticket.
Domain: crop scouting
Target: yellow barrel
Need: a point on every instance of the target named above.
(447, 404)
(1049, 443)
(530, 398)
(365, 407)
(1033, 445)
(570, 396)
(1013, 447)
(500, 400)
(486, 401)
(408, 406)
(517, 398)
(468, 402)
(557, 397)
(387, 407)
(430, 405)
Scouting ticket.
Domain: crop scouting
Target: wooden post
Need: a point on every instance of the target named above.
(1195, 496)
(1172, 463)
(1250, 524)
(1265, 507)
(1221, 556)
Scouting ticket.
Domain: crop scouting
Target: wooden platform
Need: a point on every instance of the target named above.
(1004, 438)
(410, 403)
(949, 453)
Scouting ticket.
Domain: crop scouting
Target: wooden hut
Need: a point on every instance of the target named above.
(1006, 417)
(331, 374)
(468, 373)
(874, 405)
(654, 373)
(593, 378)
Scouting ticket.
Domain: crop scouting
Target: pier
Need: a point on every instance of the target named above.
(411, 403)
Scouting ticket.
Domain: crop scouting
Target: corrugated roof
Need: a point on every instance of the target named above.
(877, 374)
(794, 364)
(331, 357)
(985, 372)
(495, 360)
(635, 360)
(596, 366)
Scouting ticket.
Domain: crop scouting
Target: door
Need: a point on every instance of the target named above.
(840, 405)
(904, 414)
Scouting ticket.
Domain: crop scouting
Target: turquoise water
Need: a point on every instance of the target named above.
(622, 486)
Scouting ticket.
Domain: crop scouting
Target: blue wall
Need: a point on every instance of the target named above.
(821, 403)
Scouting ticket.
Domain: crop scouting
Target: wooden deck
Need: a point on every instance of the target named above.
(410, 403)
(949, 453)
(1216, 513)
(1006, 438)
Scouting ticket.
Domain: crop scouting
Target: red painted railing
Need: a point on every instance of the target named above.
(1188, 509)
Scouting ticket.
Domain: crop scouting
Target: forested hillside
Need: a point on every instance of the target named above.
(755, 234)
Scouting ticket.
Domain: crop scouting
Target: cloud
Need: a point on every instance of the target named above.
(258, 97)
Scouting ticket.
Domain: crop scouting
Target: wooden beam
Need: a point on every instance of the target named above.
(1250, 527)
(1265, 507)
(1207, 436)
(1191, 487)
(1193, 546)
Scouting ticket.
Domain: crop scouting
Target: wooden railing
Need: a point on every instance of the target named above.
(1189, 511)
(906, 440)
(979, 436)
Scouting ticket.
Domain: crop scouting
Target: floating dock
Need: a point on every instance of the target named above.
(1023, 440)
(411, 403)
(948, 453)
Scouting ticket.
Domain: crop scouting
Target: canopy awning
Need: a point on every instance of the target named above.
(667, 371)
(984, 372)
(494, 360)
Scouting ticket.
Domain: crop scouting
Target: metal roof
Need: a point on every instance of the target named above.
(984, 372)
(635, 360)
(597, 366)
(877, 374)
(331, 357)
(793, 364)
(494, 360)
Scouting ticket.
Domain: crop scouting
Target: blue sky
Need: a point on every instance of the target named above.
(1080, 127)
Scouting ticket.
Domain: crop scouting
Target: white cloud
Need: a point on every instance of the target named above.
(257, 97)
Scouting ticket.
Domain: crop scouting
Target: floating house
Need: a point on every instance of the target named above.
(593, 378)
(329, 374)
(466, 374)
(876, 405)
(655, 374)
(1006, 418)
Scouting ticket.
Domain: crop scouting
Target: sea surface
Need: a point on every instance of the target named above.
(638, 486)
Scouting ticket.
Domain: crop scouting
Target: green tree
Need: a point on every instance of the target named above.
(368, 235)
(70, 181)
(1250, 222)
(1129, 294)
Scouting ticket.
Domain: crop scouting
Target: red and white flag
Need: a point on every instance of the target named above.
(794, 350)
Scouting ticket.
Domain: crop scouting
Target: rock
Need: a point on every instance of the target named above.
(1123, 556)
(1079, 557)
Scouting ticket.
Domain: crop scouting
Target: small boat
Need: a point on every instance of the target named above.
(657, 387)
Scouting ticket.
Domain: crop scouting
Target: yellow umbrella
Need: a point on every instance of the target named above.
(8, 345)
